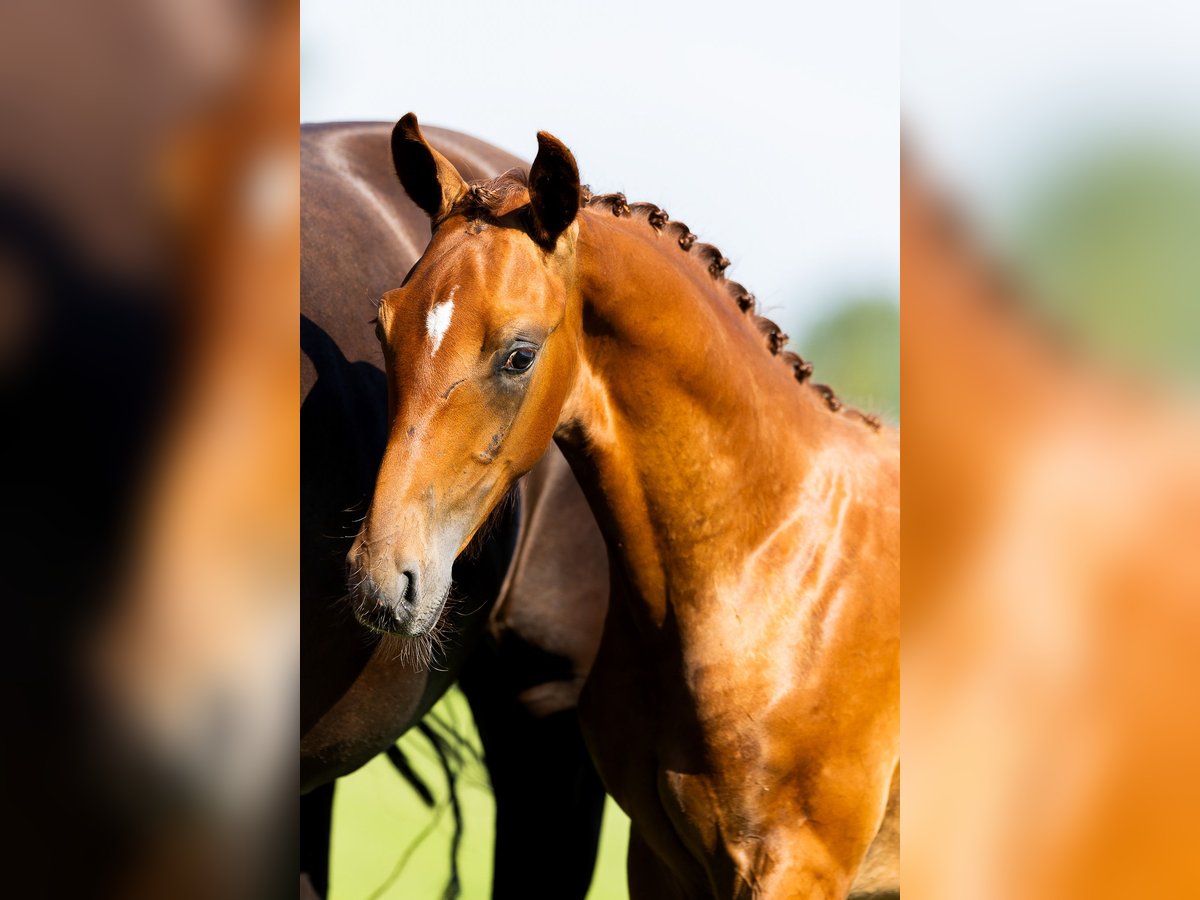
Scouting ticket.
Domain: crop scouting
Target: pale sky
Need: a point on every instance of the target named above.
(996, 94)
(771, 129)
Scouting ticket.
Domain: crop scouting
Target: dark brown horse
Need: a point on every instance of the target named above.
(744, 705)
(521, 661)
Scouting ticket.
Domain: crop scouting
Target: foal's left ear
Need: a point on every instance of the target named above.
(553, 189)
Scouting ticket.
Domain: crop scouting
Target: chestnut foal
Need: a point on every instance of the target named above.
(744, 705)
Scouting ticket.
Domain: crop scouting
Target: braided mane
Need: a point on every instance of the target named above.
(495, 197)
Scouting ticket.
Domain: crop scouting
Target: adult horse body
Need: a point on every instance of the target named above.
(360, 689)
(743, 708)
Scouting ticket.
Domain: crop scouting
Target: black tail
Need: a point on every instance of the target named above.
(451, 765)
(401, 764)
(454, 752)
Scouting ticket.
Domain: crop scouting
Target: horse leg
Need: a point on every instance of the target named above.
(306, 889)
(547, 786)
(649, 878)
(549, 799)
(316, 812)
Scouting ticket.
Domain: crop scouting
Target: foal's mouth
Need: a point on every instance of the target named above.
(418, 641)
(422, 647)
(396, 618)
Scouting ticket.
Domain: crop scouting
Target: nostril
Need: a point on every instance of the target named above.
(408, 587)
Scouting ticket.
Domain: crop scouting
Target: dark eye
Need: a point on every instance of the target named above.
(520, 359)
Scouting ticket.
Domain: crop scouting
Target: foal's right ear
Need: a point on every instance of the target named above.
(429, 178)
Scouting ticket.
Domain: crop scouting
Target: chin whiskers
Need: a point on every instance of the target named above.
(413, 652)
(425, 652)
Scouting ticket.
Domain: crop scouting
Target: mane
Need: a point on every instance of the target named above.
(507, 192)
(496, 197)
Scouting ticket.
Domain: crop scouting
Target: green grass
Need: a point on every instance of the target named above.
(377, 817)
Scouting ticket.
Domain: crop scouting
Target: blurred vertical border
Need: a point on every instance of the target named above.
(149, 280)
(1050, 240)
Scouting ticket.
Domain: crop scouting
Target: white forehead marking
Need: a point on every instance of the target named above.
(437, 321)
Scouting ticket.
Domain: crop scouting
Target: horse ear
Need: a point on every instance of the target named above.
(553, 189)
(429, 178)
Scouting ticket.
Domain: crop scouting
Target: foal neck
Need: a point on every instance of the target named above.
(694, 443)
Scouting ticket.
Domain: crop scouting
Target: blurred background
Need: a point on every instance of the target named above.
(770, 130)
(1068, 135)
(149, 277)
(1050, 227)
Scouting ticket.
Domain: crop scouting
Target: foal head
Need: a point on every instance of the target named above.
(481, 344)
